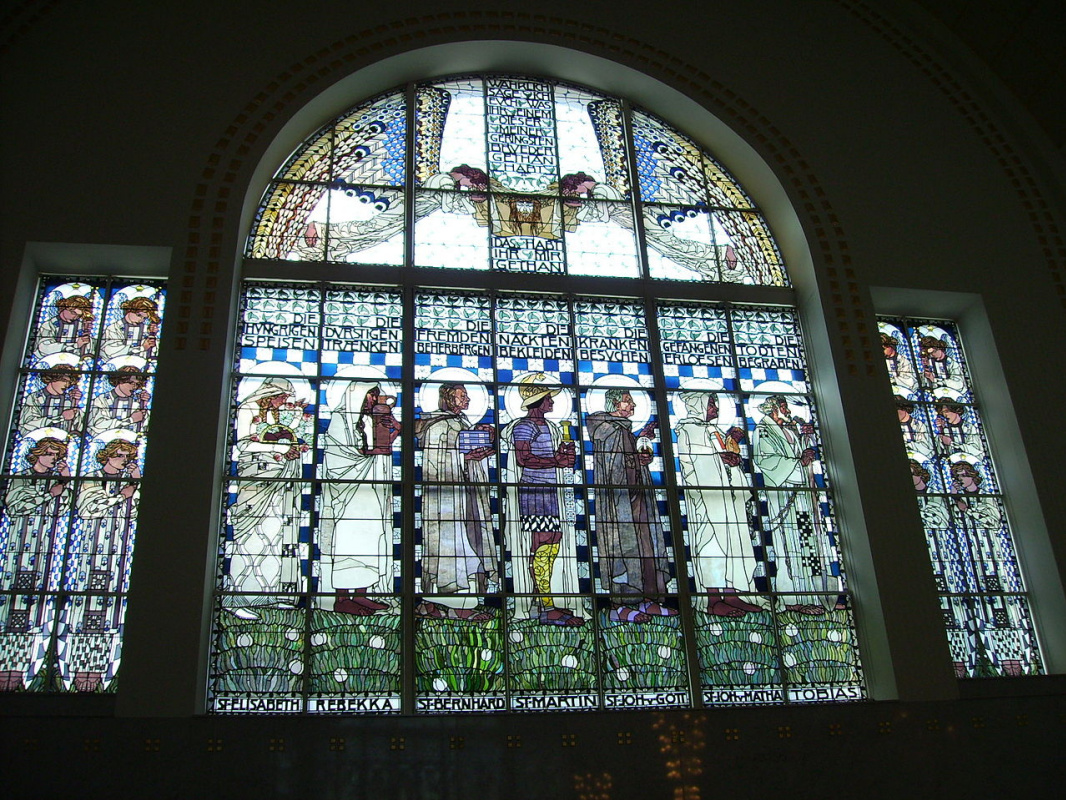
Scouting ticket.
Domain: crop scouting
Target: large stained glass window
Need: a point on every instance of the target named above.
(72, 473)
(982, 594)
(601, 490)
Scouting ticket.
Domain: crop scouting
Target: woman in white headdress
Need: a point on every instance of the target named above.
(711, 466)
(357, 514)
(266, 515)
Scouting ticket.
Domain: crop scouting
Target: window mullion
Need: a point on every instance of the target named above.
(407, 416)
(662, 407)
(634, 188)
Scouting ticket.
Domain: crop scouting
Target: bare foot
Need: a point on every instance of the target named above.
(721, 608)
(808, 609)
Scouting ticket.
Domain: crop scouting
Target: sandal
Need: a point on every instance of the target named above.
(653, 609)
(625, 614)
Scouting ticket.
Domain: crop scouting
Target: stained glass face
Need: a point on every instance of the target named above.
(514, 175)
(73, 467)
(986, 608)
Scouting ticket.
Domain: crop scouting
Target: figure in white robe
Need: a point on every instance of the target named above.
(135, 333)
(458, 552)
(915, 432)
(356, 522)
(37, 507)
(722, 552)
(941, 374)
(900, 369)
(956, 433)
(98, 564)
(265, 552)
(57, 404)
(69, 331)
(31, 552)
(125, 406)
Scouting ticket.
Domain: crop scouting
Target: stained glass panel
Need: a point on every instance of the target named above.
(311, 544)
(514, 175)
(770, 605)
(669, 166)
(986, 608)
(73, 466)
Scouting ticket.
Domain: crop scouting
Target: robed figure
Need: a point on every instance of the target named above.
(632, 549)
(356, 529)
(266, 515)
(458, 552)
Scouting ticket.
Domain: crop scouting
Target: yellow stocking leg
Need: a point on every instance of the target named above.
(541, 565)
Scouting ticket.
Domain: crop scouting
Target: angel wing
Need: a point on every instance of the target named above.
(673, 171)
(365, 147)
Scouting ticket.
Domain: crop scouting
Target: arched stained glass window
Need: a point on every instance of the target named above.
(506, 439)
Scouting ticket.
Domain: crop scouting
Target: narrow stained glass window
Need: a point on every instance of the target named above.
(557, 493)
(73, 467)
(982, 594)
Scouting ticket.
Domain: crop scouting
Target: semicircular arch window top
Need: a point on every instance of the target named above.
(453, 486)
(514, 175)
